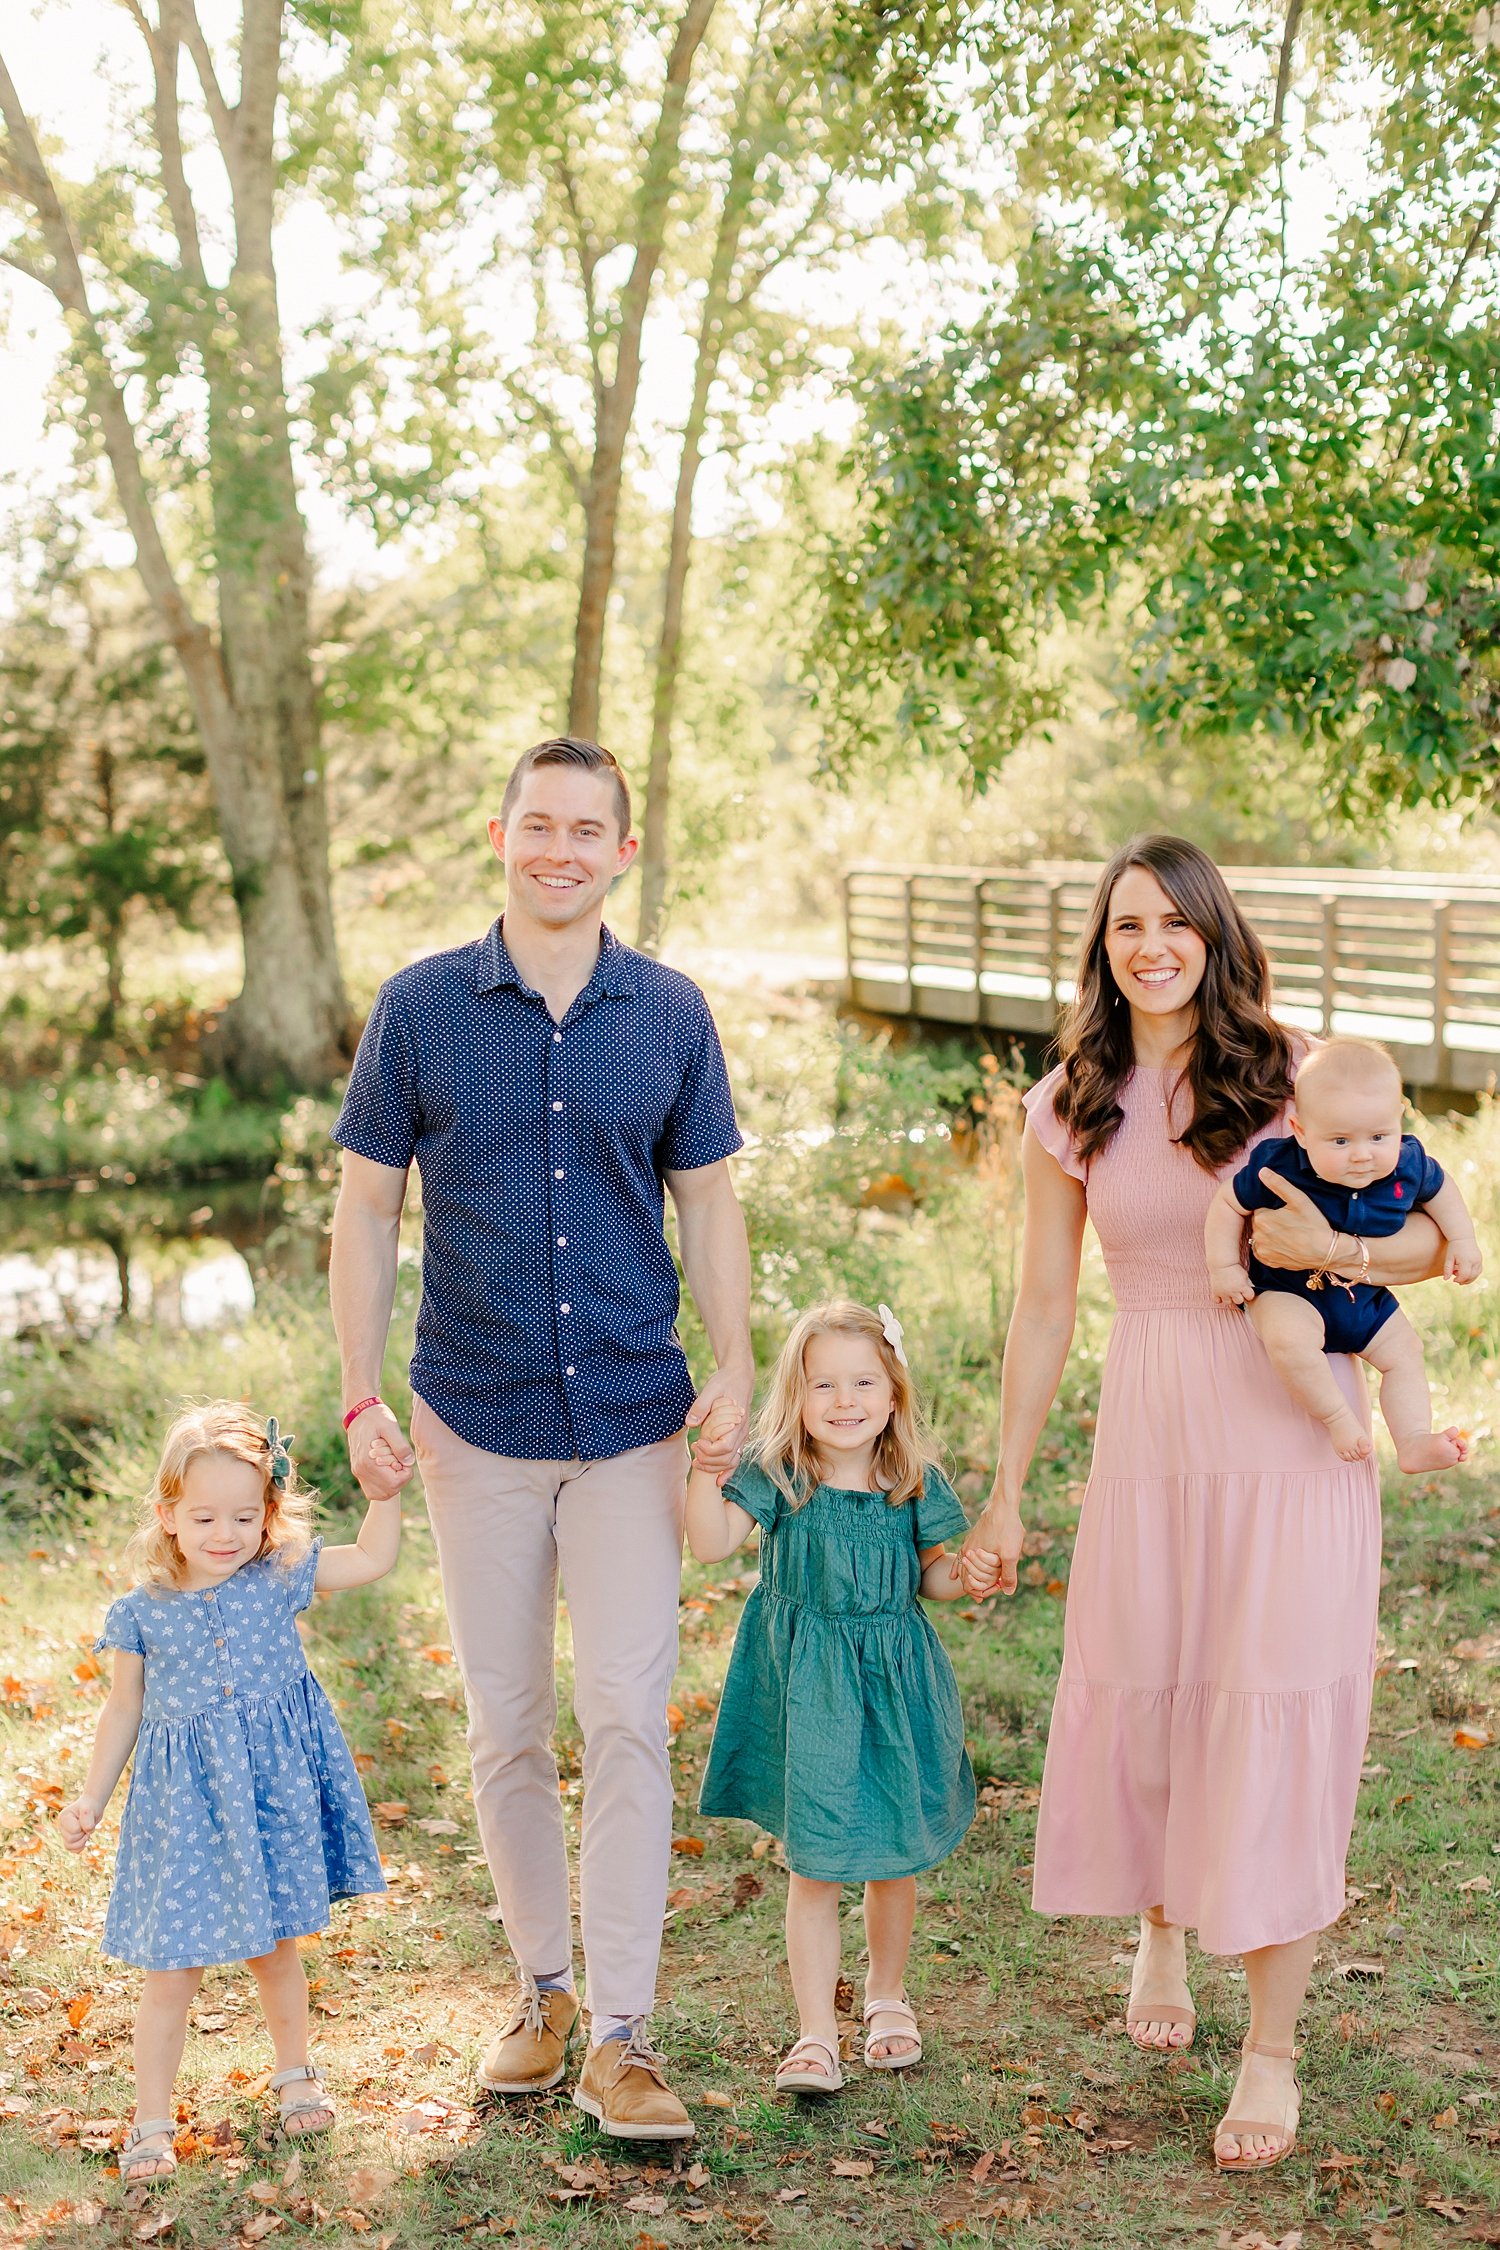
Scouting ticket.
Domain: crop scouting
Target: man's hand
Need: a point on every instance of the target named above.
(1463, 1260)
(379, 1455)
(989, 1557)
(1294, 1238)
(76, 1823)
(1231, 1285)
(721, 1433)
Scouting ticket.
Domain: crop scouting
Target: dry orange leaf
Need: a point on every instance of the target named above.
(693, 1847)
(676, 1718)
(1471, 1738)
(391, 1812)
(437, 1654)
(79, 2008)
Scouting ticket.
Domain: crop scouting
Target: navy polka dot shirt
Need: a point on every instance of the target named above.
(549, 1296)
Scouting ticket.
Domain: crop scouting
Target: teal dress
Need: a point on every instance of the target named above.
(839, 1729)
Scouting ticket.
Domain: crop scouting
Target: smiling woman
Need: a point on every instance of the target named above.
(1206, 1741)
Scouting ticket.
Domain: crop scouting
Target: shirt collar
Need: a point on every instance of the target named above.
(613, 977)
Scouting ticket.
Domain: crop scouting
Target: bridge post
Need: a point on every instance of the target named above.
(1330, 959)
(1054, 940)
(1442, 981)
(911, 945)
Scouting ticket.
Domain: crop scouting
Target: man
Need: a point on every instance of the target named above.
(548, 1081)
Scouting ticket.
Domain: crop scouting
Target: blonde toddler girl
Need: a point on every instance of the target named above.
(839, 1728)
(245, 1815)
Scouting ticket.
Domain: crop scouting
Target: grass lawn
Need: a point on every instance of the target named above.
(1033, 2117)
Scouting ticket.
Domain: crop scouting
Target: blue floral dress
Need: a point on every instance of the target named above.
(245, 1816)
(839, 1728)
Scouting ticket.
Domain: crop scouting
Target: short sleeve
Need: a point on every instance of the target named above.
(121, 1630)
(300, 1578)
(380, 1113)
(1248, 1188)
(750, 1488)
(1039, 1102)
(939, 1513)
(1428, 1174)
(700, 1127)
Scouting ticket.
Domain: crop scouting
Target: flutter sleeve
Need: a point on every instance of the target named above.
(1039, 1102)
(121, 1630)
(751, 1489)
(301, 1578)
(939, 1513)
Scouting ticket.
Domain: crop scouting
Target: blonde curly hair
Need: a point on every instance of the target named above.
(904, 1448)
(217, 1425)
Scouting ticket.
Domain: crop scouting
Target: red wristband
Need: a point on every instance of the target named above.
(355, 1412)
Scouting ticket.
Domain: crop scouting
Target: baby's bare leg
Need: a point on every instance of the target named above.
(1292, 1332)
(1395, 1351)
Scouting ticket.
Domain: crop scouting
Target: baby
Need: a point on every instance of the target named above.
(1348, 1153)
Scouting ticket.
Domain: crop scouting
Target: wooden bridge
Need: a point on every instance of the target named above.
(1410, 960)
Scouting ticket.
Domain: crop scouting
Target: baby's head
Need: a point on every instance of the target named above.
(1347, 1112)
(225, 1493)
(841, 1384)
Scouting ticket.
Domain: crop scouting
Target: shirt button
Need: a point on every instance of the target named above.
(565, 1308)
(562, 1242)
(557, 1175)
(570, 1371)
(229, 1691)
(219, 1643)
(557, 1105)
(557, 1038)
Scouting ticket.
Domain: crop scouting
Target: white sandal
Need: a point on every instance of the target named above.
(133, 2151)
(792, 2078)
(303, 2104)
(905, 2029)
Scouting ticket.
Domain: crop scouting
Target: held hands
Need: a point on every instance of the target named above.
(988, 1558)
(379, 1455)
(1231, 1285)
(720, 1413)
(1463, 1260)
(76, 1823)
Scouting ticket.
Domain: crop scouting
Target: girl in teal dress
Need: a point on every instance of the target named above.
(839, 1728)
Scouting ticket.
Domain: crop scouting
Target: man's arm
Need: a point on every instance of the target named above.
(716, 1260)
(362, 1290)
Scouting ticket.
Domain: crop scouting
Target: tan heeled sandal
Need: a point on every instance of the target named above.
(1241, 2128)
(795, 2073)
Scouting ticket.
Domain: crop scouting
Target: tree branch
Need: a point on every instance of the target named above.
(221, 116)
(164, 46)
(188, 634)
(588, 263)
(1476, 238)
(24, 266)
(557, 429)
(1284, 66)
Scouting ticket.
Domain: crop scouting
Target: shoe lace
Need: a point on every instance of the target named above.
(528, 2009)
(637, 2053)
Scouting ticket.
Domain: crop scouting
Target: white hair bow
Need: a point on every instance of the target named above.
(892, 1330)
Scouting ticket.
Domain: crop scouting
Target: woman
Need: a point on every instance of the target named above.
(1210, 1721)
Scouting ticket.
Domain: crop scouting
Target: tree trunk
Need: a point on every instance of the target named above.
(614, 406)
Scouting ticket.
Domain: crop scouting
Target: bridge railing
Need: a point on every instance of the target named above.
(1402, 958)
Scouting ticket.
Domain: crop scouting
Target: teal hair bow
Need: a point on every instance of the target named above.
(280, 1449)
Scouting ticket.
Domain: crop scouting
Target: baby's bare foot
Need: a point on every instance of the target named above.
(1348, 1436)
(1432, 1449)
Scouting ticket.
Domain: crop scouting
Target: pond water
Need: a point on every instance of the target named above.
(77, 1260)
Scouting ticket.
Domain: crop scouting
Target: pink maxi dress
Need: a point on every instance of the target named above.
(1219, 1653)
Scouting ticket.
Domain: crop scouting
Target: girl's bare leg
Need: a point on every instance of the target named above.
(812, 1956)
(1277, 1977)
(890, 1913)
(1395, 1350)
(1160, 1975)
(160, 2034)
(282, 1983)
(1292, 1333)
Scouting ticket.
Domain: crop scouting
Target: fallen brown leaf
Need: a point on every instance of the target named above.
(853, 2167)
(693, 1847)
(369, 2183)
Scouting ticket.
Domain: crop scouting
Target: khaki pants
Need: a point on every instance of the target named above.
(504, 1530)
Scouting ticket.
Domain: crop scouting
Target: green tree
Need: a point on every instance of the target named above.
(1270, 447)
(105, 818)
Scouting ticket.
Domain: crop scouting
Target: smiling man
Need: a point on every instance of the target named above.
(549, 1083)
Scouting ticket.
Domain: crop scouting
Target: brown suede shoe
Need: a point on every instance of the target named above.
(531, 2052)
(623, 2083)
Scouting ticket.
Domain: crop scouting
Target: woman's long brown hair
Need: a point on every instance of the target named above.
(1239, 1068)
